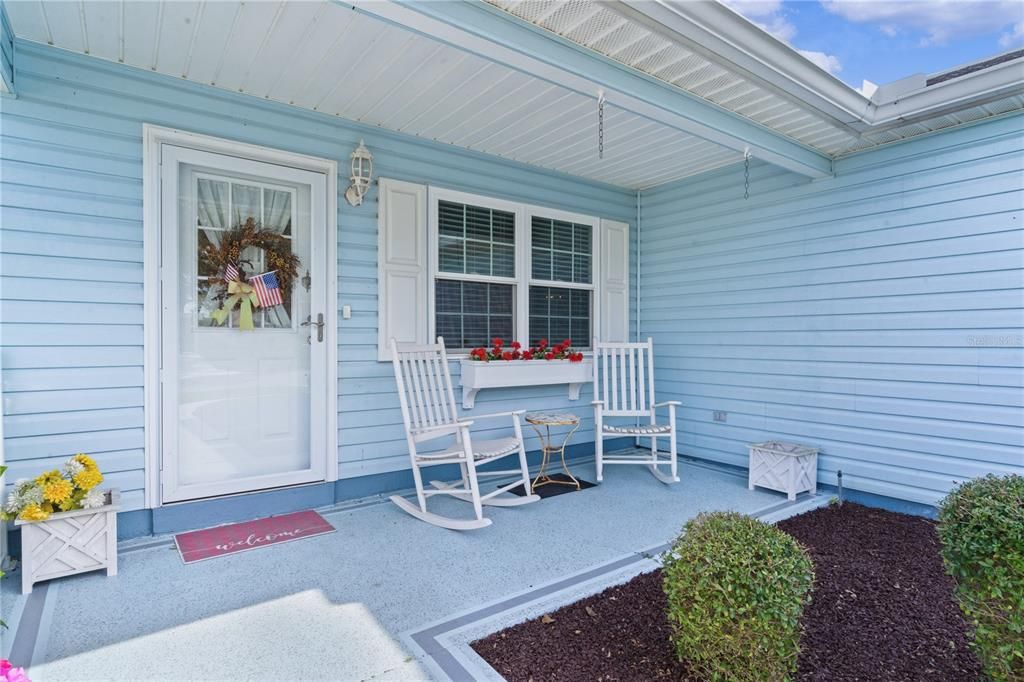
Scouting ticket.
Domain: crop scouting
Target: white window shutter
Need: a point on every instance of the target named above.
(614, 290)
(401, 265)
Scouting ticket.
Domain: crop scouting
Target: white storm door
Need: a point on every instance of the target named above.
(241, 410)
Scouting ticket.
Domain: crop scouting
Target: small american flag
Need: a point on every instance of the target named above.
(230, 272)
(267, 290)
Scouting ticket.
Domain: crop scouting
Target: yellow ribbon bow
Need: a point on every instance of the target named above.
(241, 294)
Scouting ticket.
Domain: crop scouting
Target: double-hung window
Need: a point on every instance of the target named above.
(475, 282)
(510, 271)
(472, 268)
(561, 294)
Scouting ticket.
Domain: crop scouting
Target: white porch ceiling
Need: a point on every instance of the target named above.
(324, 56)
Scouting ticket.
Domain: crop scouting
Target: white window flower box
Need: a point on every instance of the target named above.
(478, 375)
(85, 540)
(786, 467)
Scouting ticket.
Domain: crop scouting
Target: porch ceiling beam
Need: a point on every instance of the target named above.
(6, 53)
(495, 35)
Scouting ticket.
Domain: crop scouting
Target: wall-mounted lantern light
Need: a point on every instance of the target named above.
(362, 170)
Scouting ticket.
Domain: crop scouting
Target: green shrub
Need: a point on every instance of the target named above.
(736, 590)
(981, 525)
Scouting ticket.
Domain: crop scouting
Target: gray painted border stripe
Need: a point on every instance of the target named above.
(24, 645)
(428, 639)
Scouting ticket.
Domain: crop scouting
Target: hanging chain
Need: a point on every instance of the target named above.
(746, 175)
(600, 125)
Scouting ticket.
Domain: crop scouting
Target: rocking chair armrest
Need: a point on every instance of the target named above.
(673, 403)
(597, 403)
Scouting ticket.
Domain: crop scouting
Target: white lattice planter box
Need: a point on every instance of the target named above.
(70, 542)
(476, 375)
(786, 467)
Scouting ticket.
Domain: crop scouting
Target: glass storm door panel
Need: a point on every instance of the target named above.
(238, 413)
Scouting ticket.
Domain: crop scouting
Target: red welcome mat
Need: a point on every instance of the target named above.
(210, 543)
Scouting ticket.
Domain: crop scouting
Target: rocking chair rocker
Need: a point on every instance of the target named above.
(429, 413)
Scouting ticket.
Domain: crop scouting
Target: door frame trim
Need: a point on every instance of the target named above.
(153, 137)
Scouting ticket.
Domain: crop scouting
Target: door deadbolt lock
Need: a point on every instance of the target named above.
(319, 324)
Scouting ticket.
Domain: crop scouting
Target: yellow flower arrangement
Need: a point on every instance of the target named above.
(34, 512)
(88, 479)
(56, 488)
(71, 487)
(86, 461)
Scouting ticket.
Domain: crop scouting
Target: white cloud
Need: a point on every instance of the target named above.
(824, 61)
(939, 20)
(755, 8)
(770, 15)
(780, 27)
(1013, 37)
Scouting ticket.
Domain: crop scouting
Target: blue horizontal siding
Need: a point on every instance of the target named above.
(877, 314)
(71, 257)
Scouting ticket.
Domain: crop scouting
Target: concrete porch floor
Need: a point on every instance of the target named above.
(336, 606)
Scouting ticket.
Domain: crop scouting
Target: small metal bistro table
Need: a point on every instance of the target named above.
(542, 423)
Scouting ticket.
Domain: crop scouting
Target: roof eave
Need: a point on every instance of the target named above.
(721, 34)
(973, 89)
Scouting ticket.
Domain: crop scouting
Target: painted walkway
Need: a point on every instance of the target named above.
(370, 601)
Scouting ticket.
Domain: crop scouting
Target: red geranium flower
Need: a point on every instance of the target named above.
(507, 355)
(516, 345)
(527, 355)
(576, 357)
(549, 356)
(543, 343)
(498, 343)
(516, 355)
(567, 343)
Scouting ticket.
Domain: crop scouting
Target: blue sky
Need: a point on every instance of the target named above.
(884, 41)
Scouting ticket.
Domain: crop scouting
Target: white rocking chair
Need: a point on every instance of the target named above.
(429, 413)
(624, 387)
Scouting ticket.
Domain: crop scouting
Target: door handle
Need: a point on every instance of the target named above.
(319, 324)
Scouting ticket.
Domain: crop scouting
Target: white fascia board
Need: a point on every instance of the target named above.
(498, 36)
(981, 87)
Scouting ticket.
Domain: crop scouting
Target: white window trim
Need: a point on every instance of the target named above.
(523, 253)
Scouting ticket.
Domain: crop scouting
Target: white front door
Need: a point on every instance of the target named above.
(241, 409)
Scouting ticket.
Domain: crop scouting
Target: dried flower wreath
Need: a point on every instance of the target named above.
(276, 248)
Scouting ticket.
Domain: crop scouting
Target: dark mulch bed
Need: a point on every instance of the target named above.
(882, 609)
